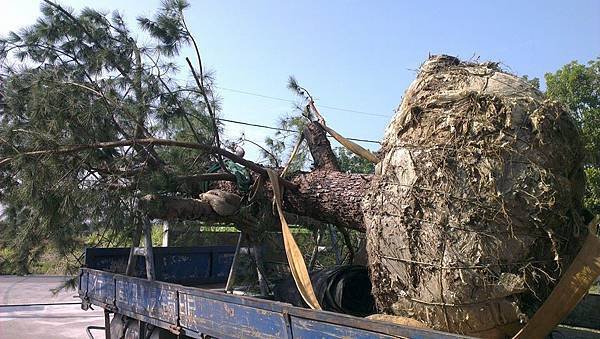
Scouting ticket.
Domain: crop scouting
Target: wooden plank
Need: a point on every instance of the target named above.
(149, 255)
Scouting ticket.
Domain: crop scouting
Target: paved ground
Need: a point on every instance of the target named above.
(56, 321)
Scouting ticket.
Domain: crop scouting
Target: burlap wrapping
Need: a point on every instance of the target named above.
(474, 209)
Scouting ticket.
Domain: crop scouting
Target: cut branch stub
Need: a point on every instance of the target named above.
(222, 202)
(320, 148)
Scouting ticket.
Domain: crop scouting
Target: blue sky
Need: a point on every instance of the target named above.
(358, 55)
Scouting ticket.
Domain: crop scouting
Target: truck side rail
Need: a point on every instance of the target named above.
(201, 312)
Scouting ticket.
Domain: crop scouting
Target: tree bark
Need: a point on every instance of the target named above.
(327, 196)
(320, 148)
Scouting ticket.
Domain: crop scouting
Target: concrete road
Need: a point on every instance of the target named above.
(51, 321)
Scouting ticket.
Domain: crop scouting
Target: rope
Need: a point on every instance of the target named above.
(288, 130)
(293, 102)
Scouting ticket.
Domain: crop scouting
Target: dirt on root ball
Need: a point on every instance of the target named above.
(474, 210)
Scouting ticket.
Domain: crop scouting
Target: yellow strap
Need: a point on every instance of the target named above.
(294, 256)
(352, 146)
(571, 288)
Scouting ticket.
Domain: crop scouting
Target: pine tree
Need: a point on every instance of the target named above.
(81, 78)
(97, 132)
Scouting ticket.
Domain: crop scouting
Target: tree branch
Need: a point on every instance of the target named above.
(150, 142)
(171, 208)
(88, 33)
(197, 178)
(213, 117)
(320, 148)
(321, 197)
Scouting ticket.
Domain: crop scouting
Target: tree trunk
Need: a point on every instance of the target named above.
(325, 194)
(329, 196)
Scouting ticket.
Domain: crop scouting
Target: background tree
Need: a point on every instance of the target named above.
(351, 163)
(281, 144)
(578, 87)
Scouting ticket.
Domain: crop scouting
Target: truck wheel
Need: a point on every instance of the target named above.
(123, 327)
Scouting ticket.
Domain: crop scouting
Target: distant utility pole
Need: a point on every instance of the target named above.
(165, 238)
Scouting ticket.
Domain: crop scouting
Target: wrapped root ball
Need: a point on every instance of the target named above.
(474, 210)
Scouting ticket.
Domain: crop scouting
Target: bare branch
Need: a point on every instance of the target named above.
(267, 152)
(311, 107)
(213, 117)
(150, 142)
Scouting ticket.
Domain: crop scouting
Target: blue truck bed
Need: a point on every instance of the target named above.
(200, 312)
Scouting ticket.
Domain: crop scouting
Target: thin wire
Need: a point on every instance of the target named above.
(285, 129)
(292, 101)
(257, 125)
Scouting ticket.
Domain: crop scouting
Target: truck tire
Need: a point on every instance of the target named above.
(123, 327)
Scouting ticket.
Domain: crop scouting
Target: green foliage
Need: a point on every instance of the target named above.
(577, 86)
(280, 146)
(352, 163)
(81, 78)
(168, 26)
(592, 198)
(535, 82)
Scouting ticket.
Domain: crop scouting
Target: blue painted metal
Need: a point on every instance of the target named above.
(228, 320)
(181, 265)
(201, 312)
(145, 297)
(307, 328)
(101, 288)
